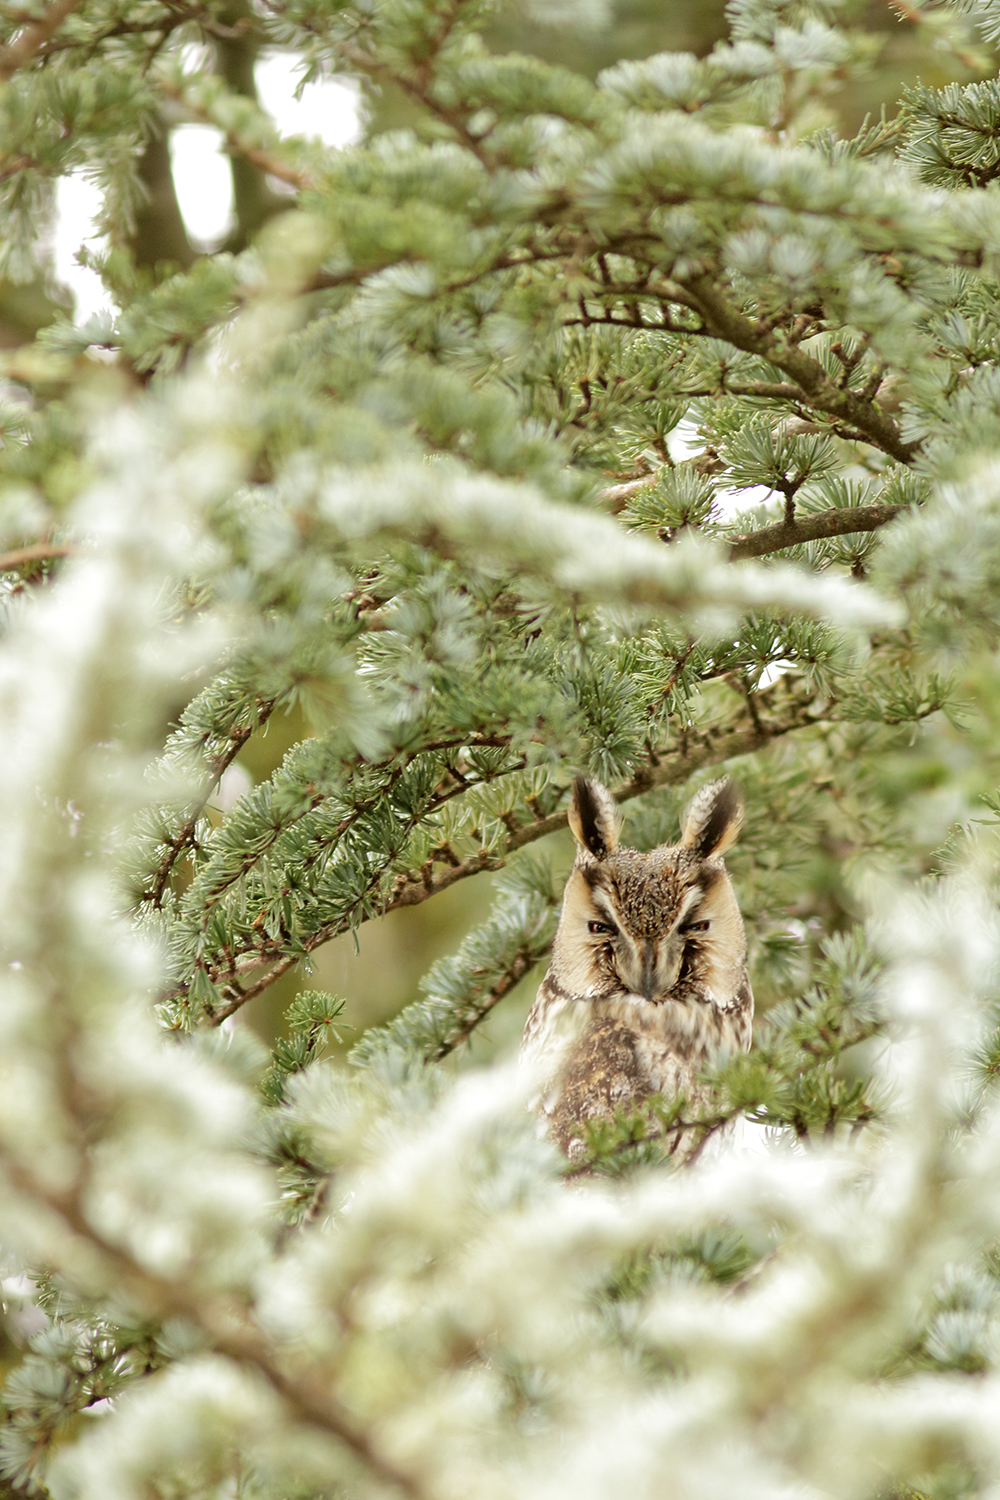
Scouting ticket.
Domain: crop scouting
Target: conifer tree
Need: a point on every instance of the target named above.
(643, 426)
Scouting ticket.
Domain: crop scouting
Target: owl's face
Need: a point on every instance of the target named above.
(647, 918)
(645, 923)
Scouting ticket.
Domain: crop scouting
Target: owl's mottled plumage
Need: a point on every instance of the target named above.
(648, 979)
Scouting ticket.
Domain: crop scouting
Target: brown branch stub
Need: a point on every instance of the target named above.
(811, 528)
(35, 552)
(29, 41)
(617, 496)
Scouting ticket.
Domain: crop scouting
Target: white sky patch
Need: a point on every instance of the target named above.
(733, 502)
(77, 203)
(329, 109)
(203, 182)
(684, 443)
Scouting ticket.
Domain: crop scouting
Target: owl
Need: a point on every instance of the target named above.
(648, 979)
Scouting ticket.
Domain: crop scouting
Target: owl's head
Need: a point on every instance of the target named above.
(643, 922)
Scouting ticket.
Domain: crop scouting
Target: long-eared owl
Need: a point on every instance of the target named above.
(648, 979)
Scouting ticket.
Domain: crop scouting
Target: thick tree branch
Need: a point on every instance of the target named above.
(236, 54)
(33, 37)
(770, 390)
(811, 528)
(819, 391)
(768, 539)
(160, 234)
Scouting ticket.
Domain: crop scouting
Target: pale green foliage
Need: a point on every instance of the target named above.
(409, 467)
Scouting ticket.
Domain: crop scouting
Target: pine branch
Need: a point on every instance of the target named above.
(13, 165)
(442, 795)
(470, 1017)
(724, 320)
(228, 1326)
(161, 25)
(665, 1128)
(780, 711)
(461, 991)
(235, 145)
(184, 837)
(264, 161)
(419, 87)
(32, 39)
(811, 528)
(243, 713)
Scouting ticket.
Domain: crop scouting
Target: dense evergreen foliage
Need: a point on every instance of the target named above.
(639, 425)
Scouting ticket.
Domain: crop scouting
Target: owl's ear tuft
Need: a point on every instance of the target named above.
(713, 819)
(594, 818)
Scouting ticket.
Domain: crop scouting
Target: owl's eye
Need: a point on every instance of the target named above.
(696, 927)
(600, 929)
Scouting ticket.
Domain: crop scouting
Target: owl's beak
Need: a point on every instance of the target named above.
(649, 988)
(651, 969)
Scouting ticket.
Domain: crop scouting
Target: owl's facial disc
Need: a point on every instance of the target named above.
(646, 963)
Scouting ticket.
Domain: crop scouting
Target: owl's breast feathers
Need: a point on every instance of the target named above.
(601, 1055)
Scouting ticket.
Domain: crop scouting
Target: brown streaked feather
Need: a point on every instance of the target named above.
(601, 1077)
